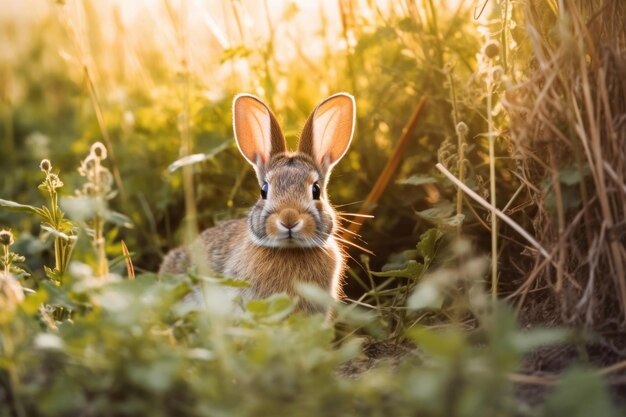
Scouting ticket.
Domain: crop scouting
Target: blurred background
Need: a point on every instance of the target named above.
(154, 80)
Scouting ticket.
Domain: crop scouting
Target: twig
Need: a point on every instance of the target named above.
(549, 381)
(619, 366)
(497, 212)
(554, 379)
(613, 175)
(389, 170)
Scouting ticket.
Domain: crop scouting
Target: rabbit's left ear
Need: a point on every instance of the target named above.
(328, 131)
(256, 130)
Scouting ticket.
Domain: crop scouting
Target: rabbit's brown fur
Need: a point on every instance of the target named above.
(288, 236)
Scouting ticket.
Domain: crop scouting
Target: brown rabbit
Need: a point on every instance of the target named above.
(288, 236)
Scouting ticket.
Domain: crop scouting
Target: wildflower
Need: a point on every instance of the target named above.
(106, 179)
(99, 151)
(54, 181)
(461, 129)
(87, 166)
(491, 49)
(6, 238)
(45, 165)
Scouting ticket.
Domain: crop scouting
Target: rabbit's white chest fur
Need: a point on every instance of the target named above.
(271, 270)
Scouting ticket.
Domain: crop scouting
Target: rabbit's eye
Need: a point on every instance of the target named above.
(264, 188)
(316, 191)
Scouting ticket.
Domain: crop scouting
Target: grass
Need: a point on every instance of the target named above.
(569, 100)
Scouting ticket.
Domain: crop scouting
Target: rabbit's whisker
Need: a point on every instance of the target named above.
(346, 220)
(367, 216)
(347, 242)
(348, 204)
(343, 229)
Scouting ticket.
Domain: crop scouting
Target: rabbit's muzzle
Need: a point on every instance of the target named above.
(291, 227)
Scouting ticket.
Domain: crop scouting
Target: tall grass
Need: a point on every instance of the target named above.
(566, 124)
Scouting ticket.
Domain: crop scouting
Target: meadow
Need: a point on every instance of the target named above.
(481, 205)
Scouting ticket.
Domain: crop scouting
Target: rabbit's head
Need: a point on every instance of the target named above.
(293, 209)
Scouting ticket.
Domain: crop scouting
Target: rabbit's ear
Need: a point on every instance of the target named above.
(256, 130)
(328, 131)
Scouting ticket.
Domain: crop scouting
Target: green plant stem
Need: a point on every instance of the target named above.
(102, 269)
(504, 39)
(461, 169)
(492, 188)
(6, 259)
(460, 151)
(58, 242)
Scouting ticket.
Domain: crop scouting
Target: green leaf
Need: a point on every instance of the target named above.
(314, 294)
(441, 217)
(413, 270)
(82, 208)
(58, 296)
(32, 302)
(572, 175)
(197, 158)
(427, 295)
(428, 244)
(22, 208)
(273, 308)
(118, 219)
(53, 274)
(220, 280)
(18, 272)
(55, 232)
(447, 343)
(534, 338)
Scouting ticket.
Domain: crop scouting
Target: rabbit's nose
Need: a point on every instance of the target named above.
(289, 218)
(290, 225)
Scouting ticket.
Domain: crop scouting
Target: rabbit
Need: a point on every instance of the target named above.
(289, 234)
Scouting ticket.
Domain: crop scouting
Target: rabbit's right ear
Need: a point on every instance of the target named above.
(327, 134)
(256, 130)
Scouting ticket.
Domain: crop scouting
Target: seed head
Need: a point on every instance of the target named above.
(45, 165)
(99, 150)
(461, 129)
(6, 238)
(87, 166)
(491, 49)
(55, 181)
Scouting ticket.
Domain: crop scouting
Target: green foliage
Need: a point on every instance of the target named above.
(577, 384)
(145, 347)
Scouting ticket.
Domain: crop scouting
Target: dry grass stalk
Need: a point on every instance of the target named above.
(495, 212)
(130, 269)
(571, 109)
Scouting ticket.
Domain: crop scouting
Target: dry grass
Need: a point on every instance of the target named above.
(568, 122)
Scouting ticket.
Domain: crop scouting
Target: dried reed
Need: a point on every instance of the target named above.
(568, 124)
